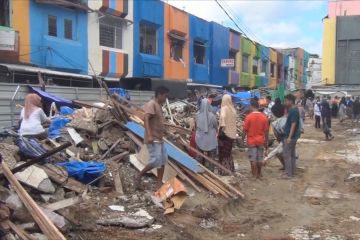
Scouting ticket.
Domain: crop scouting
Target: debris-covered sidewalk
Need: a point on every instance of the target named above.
(82, 178)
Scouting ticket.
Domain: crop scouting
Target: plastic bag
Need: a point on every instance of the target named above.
(84, 172)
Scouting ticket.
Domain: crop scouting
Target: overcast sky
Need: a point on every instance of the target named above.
(282, 23)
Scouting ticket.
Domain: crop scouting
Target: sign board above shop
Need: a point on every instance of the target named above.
(7, 39)
(227, 63)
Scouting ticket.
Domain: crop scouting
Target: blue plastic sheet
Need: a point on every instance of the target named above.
(64, 110)
(84, 172)
(49, 98)
(56, 125)
(122, 92)
(173, 152)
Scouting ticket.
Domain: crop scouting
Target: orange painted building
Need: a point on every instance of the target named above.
(176, 44)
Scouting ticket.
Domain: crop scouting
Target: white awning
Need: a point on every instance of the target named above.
(25, 68)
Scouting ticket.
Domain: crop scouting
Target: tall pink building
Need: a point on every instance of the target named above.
(343, 8)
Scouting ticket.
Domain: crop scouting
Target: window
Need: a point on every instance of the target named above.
(286, 73)
(255, 66)
(111, 32)
(5, 13)
(264, 65)
(52, 26)
(245, 63)
(199, 52)
(68, 29)
(148, 43)
(176, 50)
(272, 69)
(232, 55)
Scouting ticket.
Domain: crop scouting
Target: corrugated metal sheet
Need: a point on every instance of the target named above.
(9, 114)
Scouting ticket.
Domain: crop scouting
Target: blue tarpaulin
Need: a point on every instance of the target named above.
(243, 98)
(49, 98)
(179, 156)
(84, 172)
(122, 92)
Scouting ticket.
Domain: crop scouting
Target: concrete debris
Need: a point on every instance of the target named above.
(354, 177)
(208, 223)
(9, 153)
(117, 208)
(37, 178)
(130, 221)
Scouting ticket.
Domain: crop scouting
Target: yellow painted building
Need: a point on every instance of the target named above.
(329, 51)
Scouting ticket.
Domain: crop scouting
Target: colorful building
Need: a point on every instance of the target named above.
(110, 35)
(341, 43)
(123, 38)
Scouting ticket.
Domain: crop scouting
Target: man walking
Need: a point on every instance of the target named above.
(317, 112)
(292, 133)
(256, 127)
(154, 133)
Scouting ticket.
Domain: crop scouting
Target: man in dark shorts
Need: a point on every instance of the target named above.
(256, 127)
(292, 133)
(154, 133)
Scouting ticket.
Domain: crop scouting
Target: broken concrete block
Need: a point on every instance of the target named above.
(102, 145)
(57, 219)
(81, 124)
(37, 178)
(127, 222)
(19, 211)
(4, 193)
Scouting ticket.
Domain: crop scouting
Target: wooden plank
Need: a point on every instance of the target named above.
(184, 176)
(213, 186)
(118, 157)
(47, 227)
(110, 149)
(116, 177)
(204, 184)
(68, 152)
(20, 232)
(174, 152)
(63, 203)
(212, 161)
(224, 184)
(218, 185)
(134, 138)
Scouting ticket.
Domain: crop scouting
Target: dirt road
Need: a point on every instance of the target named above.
(319, 203)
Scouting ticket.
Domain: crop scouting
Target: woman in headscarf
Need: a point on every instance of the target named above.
(227, 133)
(342, 109)
(32, 117)
(206, 130)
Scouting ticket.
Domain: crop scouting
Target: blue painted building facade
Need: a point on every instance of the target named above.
(219, 48)
(199, 35)
(58, 52)
(149, 13)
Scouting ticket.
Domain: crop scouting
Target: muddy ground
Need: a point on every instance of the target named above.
(273, 208)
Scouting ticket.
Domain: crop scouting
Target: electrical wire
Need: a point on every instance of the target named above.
(253, 42)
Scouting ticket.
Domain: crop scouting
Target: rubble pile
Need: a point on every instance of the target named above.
(83, 177)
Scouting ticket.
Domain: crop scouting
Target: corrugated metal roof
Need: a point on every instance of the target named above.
(25, 68)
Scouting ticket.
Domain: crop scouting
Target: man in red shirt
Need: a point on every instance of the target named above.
(256, 127)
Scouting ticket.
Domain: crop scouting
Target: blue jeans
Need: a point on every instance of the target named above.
(157, 154)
